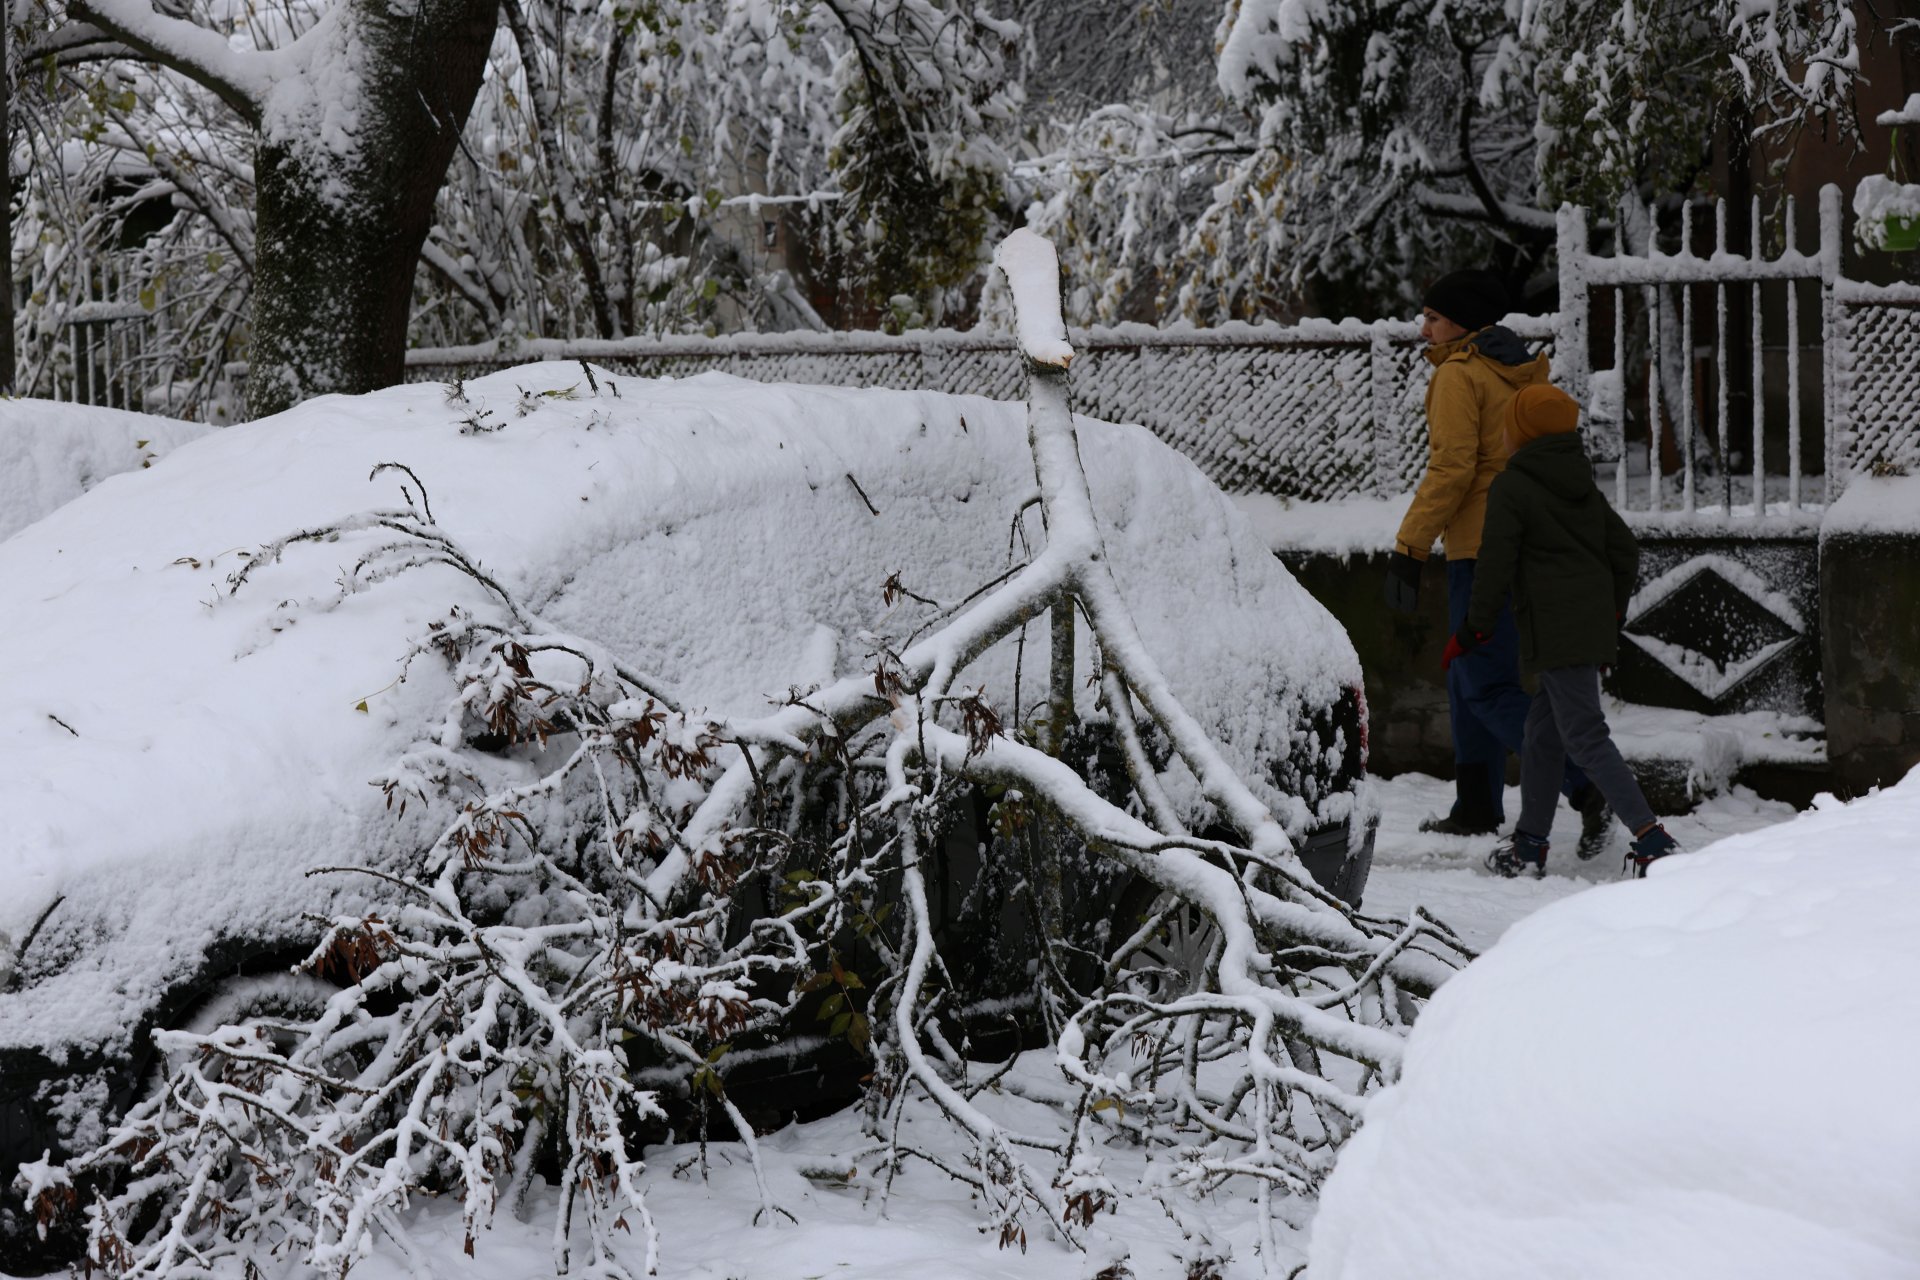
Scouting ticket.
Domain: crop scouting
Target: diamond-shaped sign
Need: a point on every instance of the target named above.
(1712, 622)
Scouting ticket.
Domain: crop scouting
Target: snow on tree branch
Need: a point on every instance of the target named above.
(621, 893)
(242, 78)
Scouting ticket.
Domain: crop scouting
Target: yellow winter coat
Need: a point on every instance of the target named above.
(1473, 378)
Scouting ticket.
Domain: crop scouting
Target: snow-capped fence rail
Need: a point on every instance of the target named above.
(1324, 410)
(1320, 410)
(1314, 411)
(97, 355)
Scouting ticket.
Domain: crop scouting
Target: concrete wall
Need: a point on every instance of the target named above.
(1742, 621)
(1400, 654)
(1870, 613)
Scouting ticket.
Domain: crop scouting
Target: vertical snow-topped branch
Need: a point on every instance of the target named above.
(1032, 271)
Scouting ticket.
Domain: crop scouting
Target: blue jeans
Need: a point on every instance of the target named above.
(1485, 702)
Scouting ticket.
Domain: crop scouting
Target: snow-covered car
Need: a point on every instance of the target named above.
(178, 756)
(1706, 1073)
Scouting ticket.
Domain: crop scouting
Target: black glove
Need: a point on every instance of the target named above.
(1403, 582)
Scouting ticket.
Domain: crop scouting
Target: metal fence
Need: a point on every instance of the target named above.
(1680, 305)
(1880, 342)
(1314, 411)
(1701, 399)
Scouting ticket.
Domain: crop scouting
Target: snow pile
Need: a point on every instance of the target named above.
(1345, 527)
(1707, 1073)
(173, 760)
(1875, 505)
(52, 453)
(1908, 114)
(1878, 199)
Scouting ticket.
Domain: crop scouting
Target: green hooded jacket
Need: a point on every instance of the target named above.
(1569, 559)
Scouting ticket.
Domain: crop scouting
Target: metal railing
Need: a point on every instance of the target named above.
(1707, 358)
(1667, 285)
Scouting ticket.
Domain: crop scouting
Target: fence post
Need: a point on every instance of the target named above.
(1836, 355)
(1570, 326)
(1380, 398)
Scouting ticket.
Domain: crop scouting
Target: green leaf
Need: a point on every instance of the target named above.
(840, 1024)
(832, 1004)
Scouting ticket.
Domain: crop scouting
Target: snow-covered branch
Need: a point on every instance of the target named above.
(242, 78)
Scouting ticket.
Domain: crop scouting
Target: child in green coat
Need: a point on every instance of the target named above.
(1568, 558)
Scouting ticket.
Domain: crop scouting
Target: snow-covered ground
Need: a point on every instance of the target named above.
(1708, 1074)
(1683, 1019)
(1653, 1006)
(1444, 873)
(851, 1227)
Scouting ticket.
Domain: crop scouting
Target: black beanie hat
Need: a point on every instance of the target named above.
(1472, 299)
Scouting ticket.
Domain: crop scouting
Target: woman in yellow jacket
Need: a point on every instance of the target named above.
(1478, 365)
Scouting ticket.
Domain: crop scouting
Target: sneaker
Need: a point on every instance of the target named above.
(1452, 826)
(1596, 824)
(1519, 852)
(1654, 843)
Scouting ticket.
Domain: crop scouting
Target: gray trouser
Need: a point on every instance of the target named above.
(1566, 720)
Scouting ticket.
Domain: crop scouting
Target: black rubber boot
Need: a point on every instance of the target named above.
(1596, 822)
(1472, 815)
(1652, 844)
(1519, 852)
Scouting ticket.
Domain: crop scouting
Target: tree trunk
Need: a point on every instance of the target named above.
(338, 236)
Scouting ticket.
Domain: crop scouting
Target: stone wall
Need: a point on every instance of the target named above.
(1400, 654)
(1870, 613)
(1719, 626)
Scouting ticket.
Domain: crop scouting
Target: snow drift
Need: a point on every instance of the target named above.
(1708, 1073)
(52, 453)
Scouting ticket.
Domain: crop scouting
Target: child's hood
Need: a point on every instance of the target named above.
(1558, 463)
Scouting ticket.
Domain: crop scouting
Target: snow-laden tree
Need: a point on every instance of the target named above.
(1125, 136)
(623, 170)
(1394, 134)
(642, 159)
(353, 111)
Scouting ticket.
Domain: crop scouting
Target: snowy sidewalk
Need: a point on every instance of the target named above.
(1444, 873)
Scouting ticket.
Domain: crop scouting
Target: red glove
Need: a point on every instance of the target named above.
(1459, 644)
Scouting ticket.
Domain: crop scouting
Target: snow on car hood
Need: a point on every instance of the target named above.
(172, 761)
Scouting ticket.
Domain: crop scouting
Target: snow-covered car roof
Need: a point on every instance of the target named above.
(51, 453)
(174, 760)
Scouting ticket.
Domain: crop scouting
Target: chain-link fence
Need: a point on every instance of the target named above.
(1315, 412)
(1882, 342)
